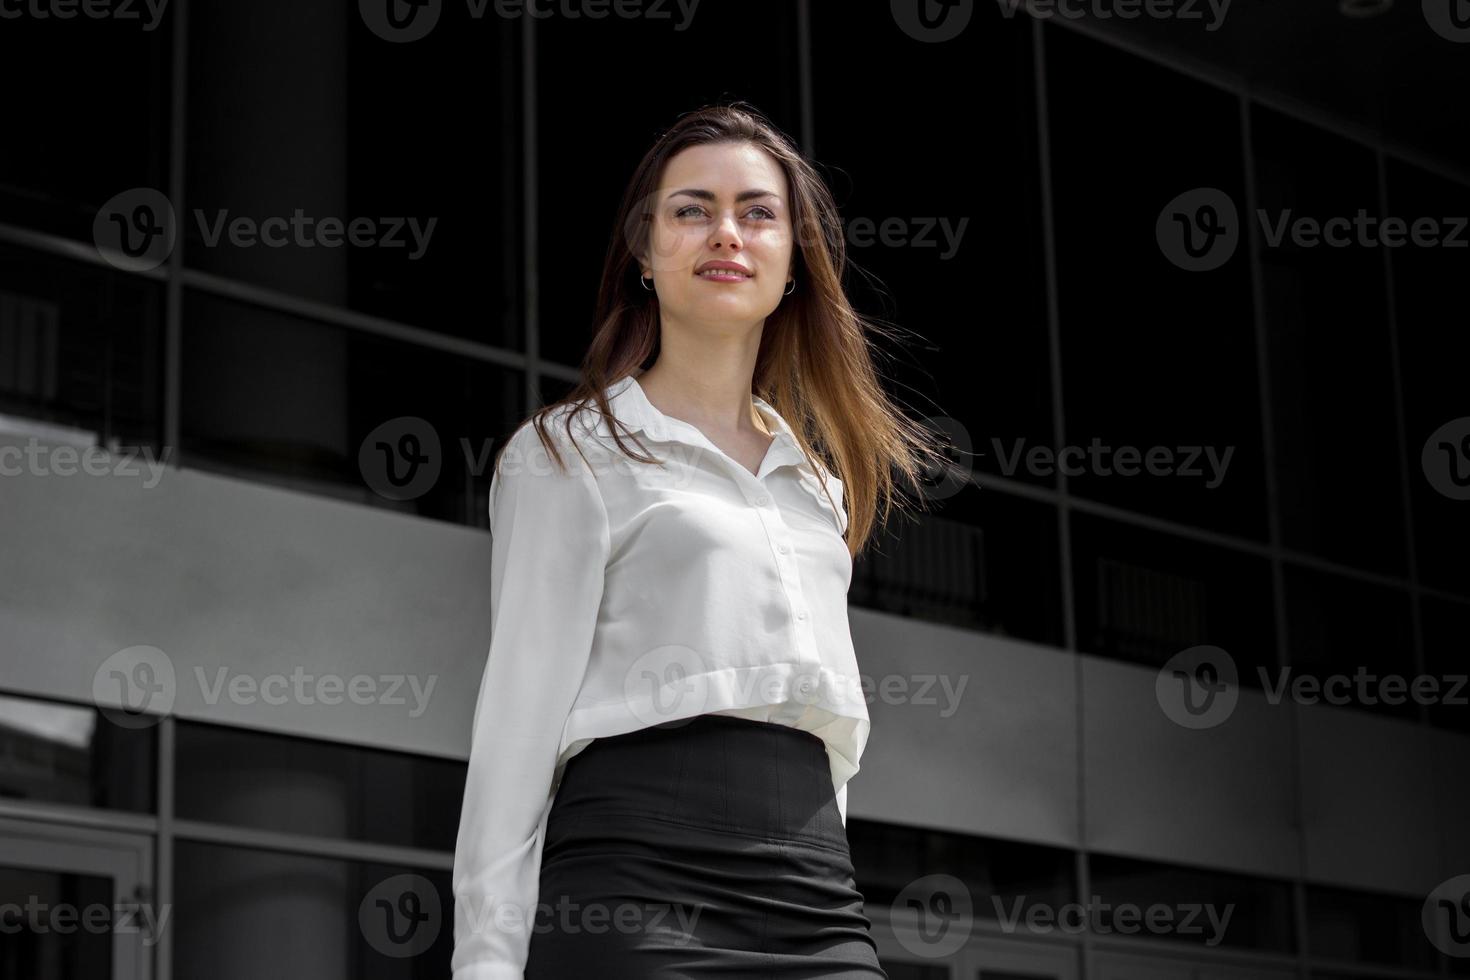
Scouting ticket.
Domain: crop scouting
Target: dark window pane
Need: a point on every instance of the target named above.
(1434, 348)
(1331, 365)
(1446, 625)
(88, 116)
(274, 782)
(70, 943)
(324, 919)
(586, 166)
(1197, 903)
(946, 240)
(1003, 878)
(913, 971)
(1362, 927)
(1160, 364)
(62, 753)
(80, 345)
(332, 410)
(1144, 596)
(982, 560)
(303, 108)
(1350, 636)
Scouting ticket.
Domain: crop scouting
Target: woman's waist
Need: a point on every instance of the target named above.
(715, 771)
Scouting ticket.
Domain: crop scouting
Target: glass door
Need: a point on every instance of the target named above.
(1131, 966)
(907, 953)
(991, 958)
(75, 903)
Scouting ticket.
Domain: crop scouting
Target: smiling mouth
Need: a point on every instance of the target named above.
(723, 274)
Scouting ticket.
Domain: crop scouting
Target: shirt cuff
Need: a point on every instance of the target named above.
(489, 971)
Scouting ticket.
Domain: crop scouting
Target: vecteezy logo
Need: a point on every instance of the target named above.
(933, 915)
(400, 459)
(955, 475)
(400, 916)
(134, 231)
(400, 21)
(1198, 687)
(932, 20)
(1446, 459)
(1450, 19)
(1446, 917)
(135, 688)
(1198, 230)
(667, 686)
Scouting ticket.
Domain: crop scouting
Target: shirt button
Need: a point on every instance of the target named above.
(782, 548)
(762, 500)
(801, 615)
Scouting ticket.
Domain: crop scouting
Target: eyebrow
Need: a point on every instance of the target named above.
(705, 195)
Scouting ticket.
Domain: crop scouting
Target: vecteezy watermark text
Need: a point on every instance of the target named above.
(1211, 12)
(97, 918)
(138, 686)
(40, 458)
(673, 919)
(403, 21)
(1126, 918)
(1097, 459)
(310, 232)
(1198, 688)
(136, 230)
(119, 10)
(1199, 230)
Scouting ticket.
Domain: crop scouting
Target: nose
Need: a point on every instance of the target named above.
(726, 232)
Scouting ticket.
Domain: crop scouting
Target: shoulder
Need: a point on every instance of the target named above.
(820, 479)
(827, 478)
(554, 424)
(533, 451)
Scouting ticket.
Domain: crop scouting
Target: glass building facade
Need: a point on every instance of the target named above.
(1003, 193)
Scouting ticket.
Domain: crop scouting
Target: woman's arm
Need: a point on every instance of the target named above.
(550, 547)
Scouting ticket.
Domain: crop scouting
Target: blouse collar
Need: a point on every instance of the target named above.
(630, 406)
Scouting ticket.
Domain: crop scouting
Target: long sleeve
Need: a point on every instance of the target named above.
(550, 543)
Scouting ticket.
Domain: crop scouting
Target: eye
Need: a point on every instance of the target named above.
(682, 212)
(770, 215)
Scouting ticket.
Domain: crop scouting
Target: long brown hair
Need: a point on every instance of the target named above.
(815, 363)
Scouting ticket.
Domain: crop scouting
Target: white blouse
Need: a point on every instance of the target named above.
(626, 594)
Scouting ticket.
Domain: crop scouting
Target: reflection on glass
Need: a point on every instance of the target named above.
(1004, 878)
(59, 753)
(340, 412)
(244, 915)
(980, 560)
(1363, 927)
(897, 970)
(81, 348)
(357, 171)
(1159, 361)
(33, 904)
(1351, 637)
(275, 782)
(1144, 596)
(1213, 908)
(1331, 361)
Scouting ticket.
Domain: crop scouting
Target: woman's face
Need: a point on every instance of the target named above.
(722, 202)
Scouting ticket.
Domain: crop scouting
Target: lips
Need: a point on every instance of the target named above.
(727, 268)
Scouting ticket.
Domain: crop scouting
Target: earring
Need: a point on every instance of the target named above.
(646, 281)
(792, 289)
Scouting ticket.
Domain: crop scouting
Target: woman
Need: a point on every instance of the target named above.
(671, 709)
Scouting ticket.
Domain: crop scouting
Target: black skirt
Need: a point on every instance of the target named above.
(709, 847)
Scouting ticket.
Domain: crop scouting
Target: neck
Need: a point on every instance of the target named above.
(706, 382)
